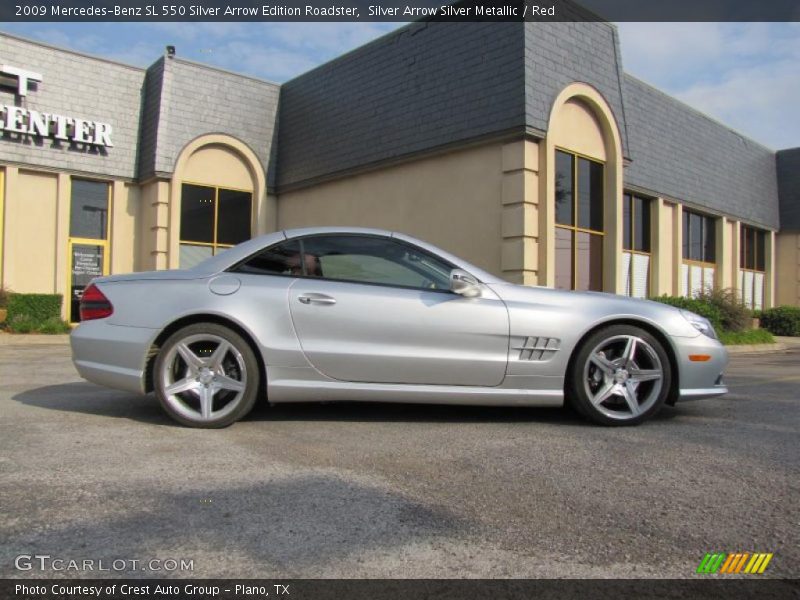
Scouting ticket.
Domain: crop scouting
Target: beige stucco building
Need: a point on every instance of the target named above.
(565, 173)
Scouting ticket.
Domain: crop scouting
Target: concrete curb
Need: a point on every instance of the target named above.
(757, 348)
(32, 339)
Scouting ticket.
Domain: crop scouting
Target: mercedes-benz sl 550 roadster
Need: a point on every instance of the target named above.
(346, 314)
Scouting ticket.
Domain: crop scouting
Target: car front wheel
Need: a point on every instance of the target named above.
(206, 375)
(620, 376)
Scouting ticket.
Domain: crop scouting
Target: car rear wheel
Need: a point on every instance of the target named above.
(206, 375)
(620, 376)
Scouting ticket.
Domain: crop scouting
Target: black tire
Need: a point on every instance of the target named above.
(591, 378)
(237, 366)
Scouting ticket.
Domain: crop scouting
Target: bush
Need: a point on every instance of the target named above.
(35, 313)
(37, 307)
(54, 326)
(695, 305)
(750, 336)
(734, 315)
(25, 324)
(4, 294)
(782, 320)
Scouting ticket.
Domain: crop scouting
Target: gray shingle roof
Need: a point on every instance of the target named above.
(683, 154)
(423, 86)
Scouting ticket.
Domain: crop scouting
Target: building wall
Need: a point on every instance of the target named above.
(453, 200)
(71, 85)
(787, 280)
(194, 100)
(558, 54)
(37, 207)
(31, 208)
(444, 131)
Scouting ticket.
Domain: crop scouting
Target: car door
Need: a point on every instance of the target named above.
(374, 309)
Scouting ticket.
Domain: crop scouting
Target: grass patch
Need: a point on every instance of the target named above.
(26, 324)
(750, 336)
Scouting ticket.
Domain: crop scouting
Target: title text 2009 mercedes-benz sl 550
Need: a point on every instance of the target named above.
(359, 314)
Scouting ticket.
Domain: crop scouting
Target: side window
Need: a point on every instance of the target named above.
(374, 260)
(280, 259)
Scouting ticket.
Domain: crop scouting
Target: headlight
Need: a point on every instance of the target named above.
(702, 324)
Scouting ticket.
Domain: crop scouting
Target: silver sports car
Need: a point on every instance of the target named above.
(351, 314)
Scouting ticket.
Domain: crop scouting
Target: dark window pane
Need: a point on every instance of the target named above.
(564, 188)
(709, 239)
(88, 216)
(626, 222)
(589, 262)
(750, 248)
(642, 225)
(280, 259)
(695, 236)
(761, 248)
(197, 213)
(233, 217)
(742, 247)
(564, 242)
(590, 195)
(375, 260)
(686, 236)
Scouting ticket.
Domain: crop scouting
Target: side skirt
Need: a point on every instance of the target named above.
(297, 389)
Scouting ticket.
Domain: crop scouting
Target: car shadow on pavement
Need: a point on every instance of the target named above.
(87, 398)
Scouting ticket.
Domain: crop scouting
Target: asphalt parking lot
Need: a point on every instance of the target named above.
(397, 491)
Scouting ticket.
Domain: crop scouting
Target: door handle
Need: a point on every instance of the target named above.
(316, 299)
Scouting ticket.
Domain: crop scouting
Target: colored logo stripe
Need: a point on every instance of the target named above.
(720, 562)
(711, 562)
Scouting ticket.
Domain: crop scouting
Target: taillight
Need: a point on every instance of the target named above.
(94, 305)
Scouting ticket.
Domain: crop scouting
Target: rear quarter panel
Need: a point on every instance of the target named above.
(259, 306)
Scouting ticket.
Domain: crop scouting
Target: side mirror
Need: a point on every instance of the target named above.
(464, 284)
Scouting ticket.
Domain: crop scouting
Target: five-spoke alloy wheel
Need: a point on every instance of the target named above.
(206, 376)
(620, 376)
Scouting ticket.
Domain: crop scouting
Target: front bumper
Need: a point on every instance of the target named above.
(700, 379)
(112, 355)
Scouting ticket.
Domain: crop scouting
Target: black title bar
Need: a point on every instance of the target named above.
(398, 10)
(708, 588)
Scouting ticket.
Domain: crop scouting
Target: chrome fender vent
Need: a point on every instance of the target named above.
(536, 348)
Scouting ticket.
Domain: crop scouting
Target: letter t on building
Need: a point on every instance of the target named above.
(23, 77)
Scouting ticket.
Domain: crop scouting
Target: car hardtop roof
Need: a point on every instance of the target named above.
(226, 259)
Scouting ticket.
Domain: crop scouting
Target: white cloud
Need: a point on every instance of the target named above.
(759, 102)
(743, 74)
(276, 51)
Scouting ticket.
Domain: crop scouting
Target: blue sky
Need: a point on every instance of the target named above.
(746, 75)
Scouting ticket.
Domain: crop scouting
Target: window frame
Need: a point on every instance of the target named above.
(632, 251)
(758, 233)
(743, 249)
(214, 245)
(300, 239)
(575, 229)
(686, 241)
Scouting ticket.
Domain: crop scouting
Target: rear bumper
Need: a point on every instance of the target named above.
(700, 380)
(112, 355)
